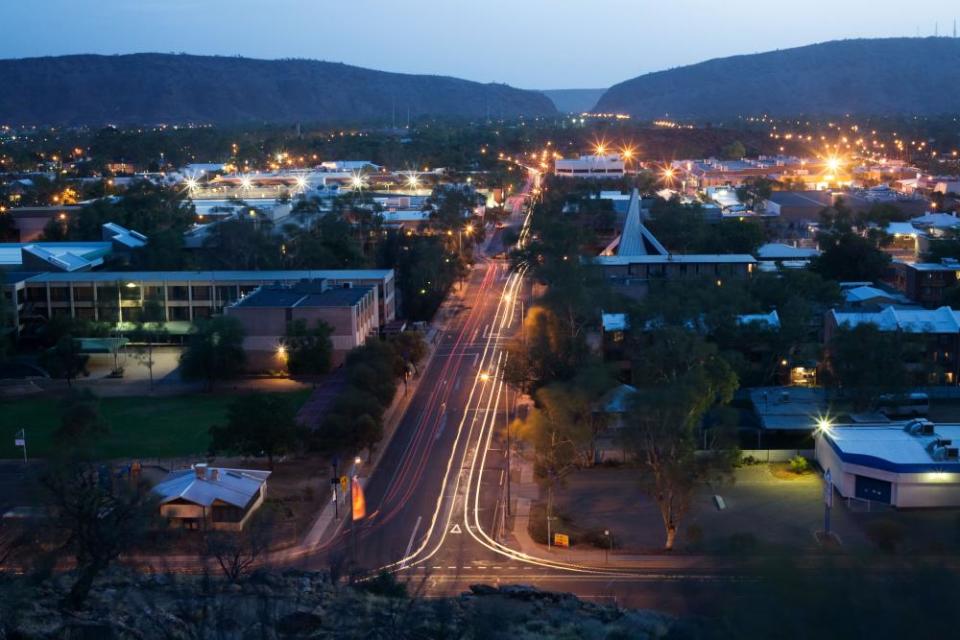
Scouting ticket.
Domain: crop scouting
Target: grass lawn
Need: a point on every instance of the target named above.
(141, 427)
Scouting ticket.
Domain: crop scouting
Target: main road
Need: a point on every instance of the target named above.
(436, 501)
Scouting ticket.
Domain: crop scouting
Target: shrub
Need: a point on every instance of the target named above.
(799, 464)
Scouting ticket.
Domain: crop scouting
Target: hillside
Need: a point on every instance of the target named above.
(877, 77)
(574, 100)
(165, 88)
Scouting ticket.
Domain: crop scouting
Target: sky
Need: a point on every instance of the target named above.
(535, 44)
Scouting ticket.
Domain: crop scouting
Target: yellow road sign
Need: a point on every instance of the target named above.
(561, 540)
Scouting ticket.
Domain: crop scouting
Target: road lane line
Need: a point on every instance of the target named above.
(413, 534)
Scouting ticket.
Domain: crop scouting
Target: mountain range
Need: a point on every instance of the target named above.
(889, 76)
(152, 88)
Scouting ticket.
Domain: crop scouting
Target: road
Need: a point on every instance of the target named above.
(436, 500)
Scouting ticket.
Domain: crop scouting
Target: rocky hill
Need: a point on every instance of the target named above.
(295, 604)
(912, 76)
(164, 88)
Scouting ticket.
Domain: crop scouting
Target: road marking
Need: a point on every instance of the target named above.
(455, 529)
(443, 425)
(413, 534)
(476, 358)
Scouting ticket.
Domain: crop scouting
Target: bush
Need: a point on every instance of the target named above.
(799, 464)
(886, 534)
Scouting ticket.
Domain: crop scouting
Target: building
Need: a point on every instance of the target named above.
(207, 497)
(925, 282)
(117, 245)
(590, 167)
(866, 297)
(182, 296)
(30, 222)
(799, 207)
(352, 312)
(938, 329)
(635, 257)
(904, 465)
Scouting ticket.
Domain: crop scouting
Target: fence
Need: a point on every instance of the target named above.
(775, 455)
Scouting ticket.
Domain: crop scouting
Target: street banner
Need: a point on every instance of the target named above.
(359, 502)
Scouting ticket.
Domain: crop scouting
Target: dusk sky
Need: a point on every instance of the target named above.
(537, 44)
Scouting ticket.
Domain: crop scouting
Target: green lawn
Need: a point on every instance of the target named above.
(140, 427)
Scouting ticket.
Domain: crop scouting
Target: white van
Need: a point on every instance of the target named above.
(899, 405)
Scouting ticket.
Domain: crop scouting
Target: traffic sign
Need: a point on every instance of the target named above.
(561, 540)
(343, 483)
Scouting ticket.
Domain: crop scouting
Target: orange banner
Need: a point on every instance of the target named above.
(359, 502)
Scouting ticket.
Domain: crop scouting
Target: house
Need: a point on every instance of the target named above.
(868, 297)
(925, 283)
(938, 329)
(351, 312)
(910, 465)
(205, 497)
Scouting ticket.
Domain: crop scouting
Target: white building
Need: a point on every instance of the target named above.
(590, 167)
(905, 465)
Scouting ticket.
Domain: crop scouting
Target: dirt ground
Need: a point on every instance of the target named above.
(766, 510)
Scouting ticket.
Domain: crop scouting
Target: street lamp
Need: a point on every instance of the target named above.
(606, 546)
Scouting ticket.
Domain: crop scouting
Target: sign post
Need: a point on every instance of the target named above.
(827, 500)
(20, 440)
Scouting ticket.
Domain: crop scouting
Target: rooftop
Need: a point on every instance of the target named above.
(779, 251)
(65, 256)
(265, 277)
(942, 320)
(233, 486)
(893, 448)
(788, 408)
(303, 295)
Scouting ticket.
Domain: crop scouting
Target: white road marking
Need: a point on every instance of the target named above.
(413, 534)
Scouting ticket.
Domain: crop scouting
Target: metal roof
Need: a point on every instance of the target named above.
(232, 486)
(942, 320)
(265, 277)
(891, 447)
(636, 239)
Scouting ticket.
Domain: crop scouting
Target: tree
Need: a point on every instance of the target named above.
(309, 350)
(65, 359)
(259, 424)
(865, 363)
(237, 552)
(148, 330)
(80, 418)
(845, 253)
(411, 348)
(679, 377)
(755, 192)
(214, 351)
(100, 516)
(733, 151)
